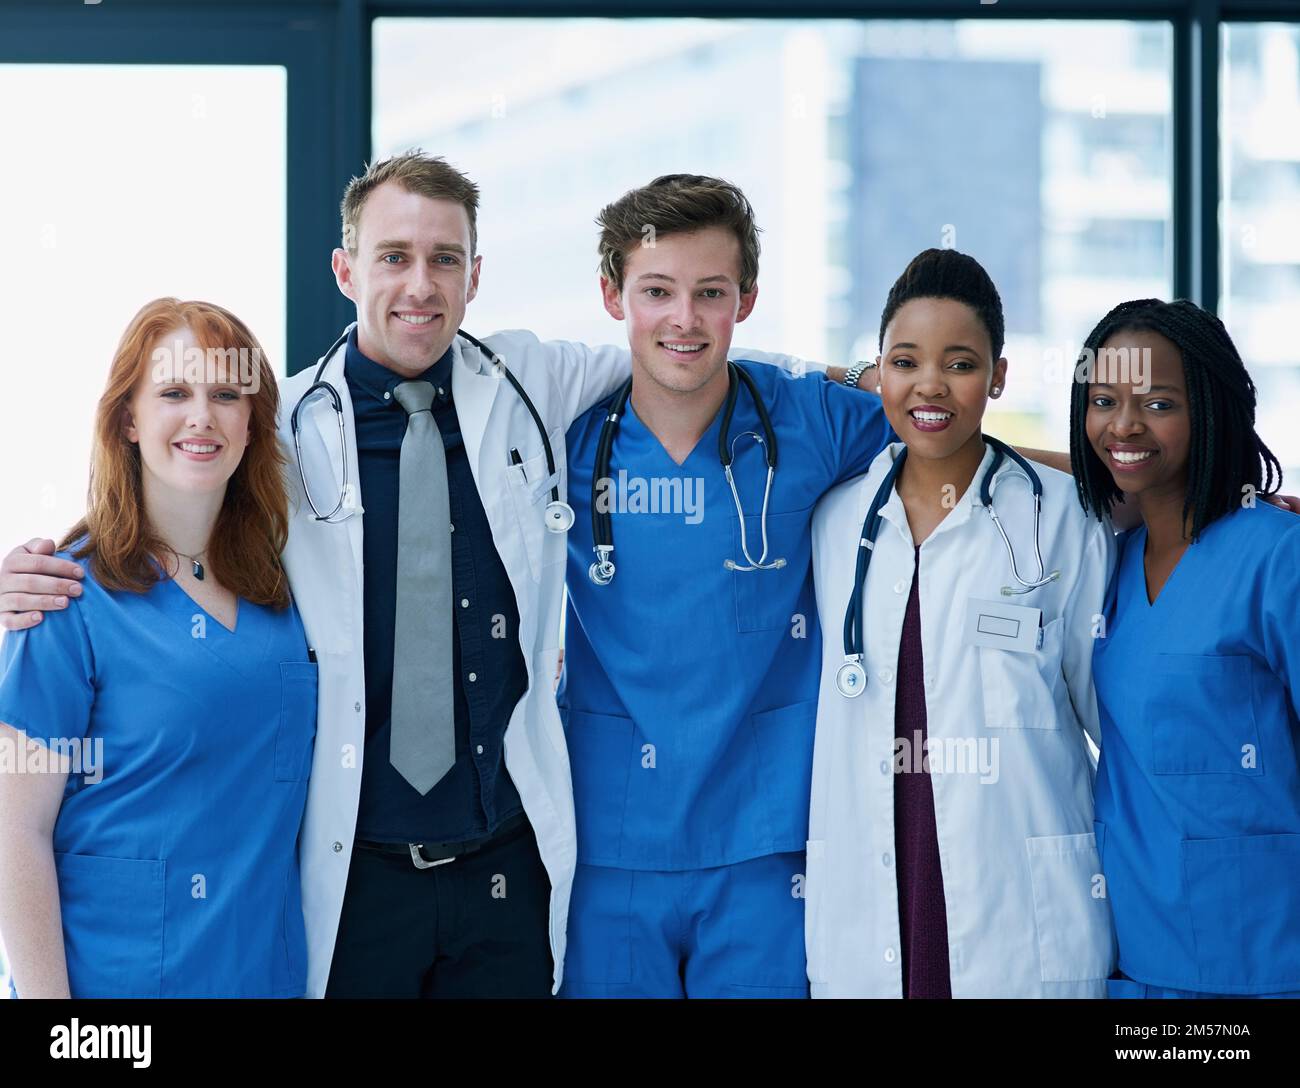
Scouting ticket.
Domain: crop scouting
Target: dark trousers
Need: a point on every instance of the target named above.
(475, 927)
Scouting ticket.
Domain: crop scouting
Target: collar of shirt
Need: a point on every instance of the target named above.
(895, 512)
(376, 382)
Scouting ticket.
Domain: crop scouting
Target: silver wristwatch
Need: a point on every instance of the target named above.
(854, 372)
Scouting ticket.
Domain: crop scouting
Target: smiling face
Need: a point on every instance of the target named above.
(412, 276)
(935, 372)
(681, 300)
(1138, 422)
(192, 435)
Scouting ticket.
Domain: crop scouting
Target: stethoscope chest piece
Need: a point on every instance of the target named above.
(559, 516)
(851, 679)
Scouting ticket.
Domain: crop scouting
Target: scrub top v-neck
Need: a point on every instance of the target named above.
(177, 867)
(1198, 786)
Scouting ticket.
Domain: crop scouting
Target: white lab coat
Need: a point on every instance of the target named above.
(324, 563)
(1024, 898)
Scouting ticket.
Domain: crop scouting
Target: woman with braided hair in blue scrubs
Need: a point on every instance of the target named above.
(1198, 672)
(156, 735)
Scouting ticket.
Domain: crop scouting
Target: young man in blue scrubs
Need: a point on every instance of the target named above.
(691, 677)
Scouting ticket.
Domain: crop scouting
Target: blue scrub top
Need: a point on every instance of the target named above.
(1198, 788)
(178, 870)
(691, 690)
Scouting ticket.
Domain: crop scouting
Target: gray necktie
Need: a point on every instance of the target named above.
(423, 742)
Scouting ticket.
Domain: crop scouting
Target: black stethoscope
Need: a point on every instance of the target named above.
(559, 514)
(851, 679)
(601, 572)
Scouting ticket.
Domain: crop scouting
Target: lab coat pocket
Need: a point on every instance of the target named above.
(1244, 897)
(1076, 942)
(529, 484)
(1020, 688)
(1202, 715)
(766, 599)
(814, 907)
(601, 754)
(112, 924)
(296, 734)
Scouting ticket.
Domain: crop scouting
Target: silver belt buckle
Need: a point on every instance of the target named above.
(420, 861)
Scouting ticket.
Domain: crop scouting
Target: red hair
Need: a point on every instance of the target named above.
(253, 523)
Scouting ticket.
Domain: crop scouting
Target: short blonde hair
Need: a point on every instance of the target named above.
(417, 173)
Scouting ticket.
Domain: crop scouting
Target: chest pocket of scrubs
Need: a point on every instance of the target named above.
(1020, 688)
(1202, 715)
(296, 734)
(529, 496)
(765, 599)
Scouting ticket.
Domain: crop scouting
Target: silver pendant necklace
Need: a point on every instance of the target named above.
(196, 567)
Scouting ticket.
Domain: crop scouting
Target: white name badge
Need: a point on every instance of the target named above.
(1003, 626)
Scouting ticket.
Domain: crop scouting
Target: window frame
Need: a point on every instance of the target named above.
(325, 45)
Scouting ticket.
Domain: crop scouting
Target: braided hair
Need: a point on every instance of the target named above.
(1225, 453)
(945, 273)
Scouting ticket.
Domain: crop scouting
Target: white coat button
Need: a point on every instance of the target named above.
(884, 766)
(479, 749)
(338, 847)
(900, 587)
(356, 707)
(464, 602)
(886, 676)
(890, 955)
(886, 860)
(472, 677)
(453, 528)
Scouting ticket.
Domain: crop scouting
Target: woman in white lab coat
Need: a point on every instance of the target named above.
(951, 848)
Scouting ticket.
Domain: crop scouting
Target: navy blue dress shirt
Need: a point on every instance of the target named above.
(476, 795)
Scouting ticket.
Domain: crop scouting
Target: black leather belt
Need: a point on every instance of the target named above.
(427, 855)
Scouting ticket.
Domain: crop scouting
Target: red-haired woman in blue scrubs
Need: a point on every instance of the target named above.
(160, 728)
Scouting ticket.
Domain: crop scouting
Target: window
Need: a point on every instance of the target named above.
(1260, 142)
(134, 181)
(1043, 148)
